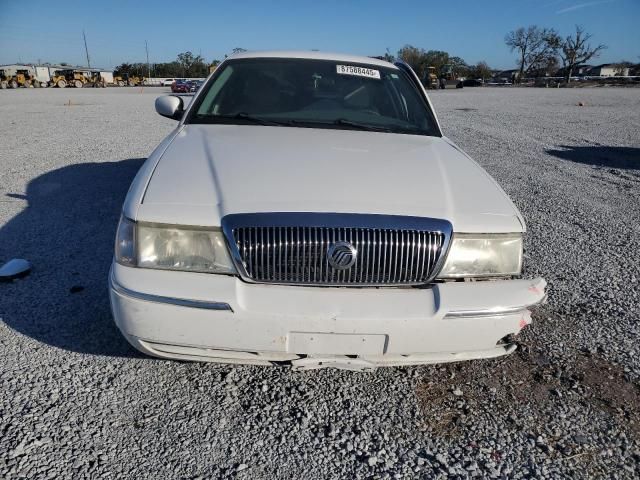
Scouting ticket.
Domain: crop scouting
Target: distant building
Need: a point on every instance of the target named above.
(578, 71)
(582, 69)
(506, 76)
(608, 70)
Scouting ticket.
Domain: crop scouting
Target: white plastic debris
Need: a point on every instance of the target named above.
(14, 268)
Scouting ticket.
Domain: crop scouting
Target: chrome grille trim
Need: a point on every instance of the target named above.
(291, 248)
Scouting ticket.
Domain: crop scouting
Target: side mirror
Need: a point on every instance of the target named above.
(170, 106)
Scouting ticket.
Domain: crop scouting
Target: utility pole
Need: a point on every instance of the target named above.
(86, 50)
(146, 47)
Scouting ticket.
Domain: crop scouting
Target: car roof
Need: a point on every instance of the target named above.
(312, 55)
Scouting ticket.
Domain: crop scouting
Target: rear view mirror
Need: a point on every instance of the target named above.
(170, 106)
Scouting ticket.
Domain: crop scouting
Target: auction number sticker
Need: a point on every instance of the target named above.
(358, 71)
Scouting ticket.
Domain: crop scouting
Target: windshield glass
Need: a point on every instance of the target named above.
(314, 93)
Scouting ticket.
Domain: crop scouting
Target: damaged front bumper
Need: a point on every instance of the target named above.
(219, 318)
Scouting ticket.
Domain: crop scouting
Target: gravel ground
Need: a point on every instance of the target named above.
(77, 402)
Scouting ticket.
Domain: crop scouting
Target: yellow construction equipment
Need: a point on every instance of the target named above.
(449, 77)
(76, 78)
(58, 79)
(18, 77)
(95, 80)
(431, 79)
(126, 80)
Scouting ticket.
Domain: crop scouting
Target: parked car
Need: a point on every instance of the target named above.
(195, 85)
(180, 86)
(308, 209)
(472, 82)
(167, 82)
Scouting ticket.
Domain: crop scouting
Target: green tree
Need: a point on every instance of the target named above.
(437, 59)
(414, 57)
(122, 69)
(168, 70)
(480, 70)
(192, 65)
(459, 67)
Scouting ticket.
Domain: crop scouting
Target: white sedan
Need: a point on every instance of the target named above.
(308, 209)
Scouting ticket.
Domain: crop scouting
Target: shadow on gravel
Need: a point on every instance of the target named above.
(527, 390)
(67, 233)
(606, 157)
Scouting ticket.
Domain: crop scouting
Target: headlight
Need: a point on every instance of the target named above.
(169, 247)
(475, 255)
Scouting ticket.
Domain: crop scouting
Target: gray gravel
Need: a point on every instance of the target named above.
(77, 402)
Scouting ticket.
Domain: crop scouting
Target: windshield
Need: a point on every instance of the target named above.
(314, 93)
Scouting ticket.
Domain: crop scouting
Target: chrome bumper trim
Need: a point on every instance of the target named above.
(494, 312)
(181, 302)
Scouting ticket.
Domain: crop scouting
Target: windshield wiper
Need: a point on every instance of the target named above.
(379, 128)
(308, 123)
(241, 116)
(254, 119)
(340, 121)
(367, 127)
(361, 126)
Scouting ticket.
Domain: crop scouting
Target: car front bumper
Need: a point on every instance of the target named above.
(220, 318)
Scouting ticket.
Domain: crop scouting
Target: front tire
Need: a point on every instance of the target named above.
(61, 84)
(77, 84)
(13, 84)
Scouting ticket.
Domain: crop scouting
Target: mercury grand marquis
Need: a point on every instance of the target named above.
(308, 210)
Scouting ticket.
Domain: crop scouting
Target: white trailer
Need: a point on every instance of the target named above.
(42, 75)
(107, 77)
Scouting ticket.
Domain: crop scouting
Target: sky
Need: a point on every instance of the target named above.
(116, 30)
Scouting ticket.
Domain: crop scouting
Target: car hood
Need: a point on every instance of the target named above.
(209, 171)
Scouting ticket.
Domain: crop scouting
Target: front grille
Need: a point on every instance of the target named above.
(299, 254)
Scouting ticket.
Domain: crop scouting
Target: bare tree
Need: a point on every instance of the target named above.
(622, 67)
(575, 50)
(388, 57)
(544, 67)
(534, 45)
